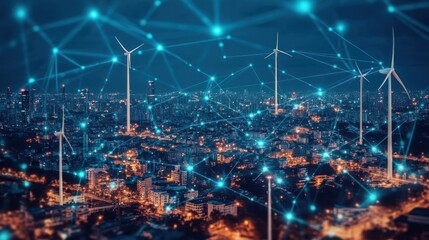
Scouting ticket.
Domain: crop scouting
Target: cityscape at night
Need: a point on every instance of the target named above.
(214, 119)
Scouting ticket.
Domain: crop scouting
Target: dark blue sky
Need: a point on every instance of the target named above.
(327, 36)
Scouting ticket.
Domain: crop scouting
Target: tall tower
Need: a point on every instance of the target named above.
(151, 92)
(25, 107)
(63, 87)
(84, 94)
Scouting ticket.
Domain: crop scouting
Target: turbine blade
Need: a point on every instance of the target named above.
(365, 78)
(393, 48)
(366, 74)
(121, 44)
(136, 48)
(269, 54)
(360, 72)
(400, 82)
(387, 76)
(280, 51)
(277, 41)
(68, 142)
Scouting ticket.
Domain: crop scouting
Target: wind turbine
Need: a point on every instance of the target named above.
(276, 51)
(60, 136)
(128, 54)
(362, 77)
(389, 72)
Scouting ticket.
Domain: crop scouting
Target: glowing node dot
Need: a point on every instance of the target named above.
(373, 197)
(312, 207)
(391, 9)
(341, 27)
(374, 149)
(303, 6)
(224, 57)
(54, 50)
(83, 125)
(36, 28)
(279, 180)
(93, 14)
(339, 55)
(330, 29)
(158, 131)
(149, 107)
(21, 13)
(220, 184)
(31, 80)
(149, 36)
(82, 67)
(168, 208)
(81, 174)
(112, 185)
(260, 143)
(217, 30)
(189, 168)
(159, 47)
(157, 3)
(206, 98)
(23, 166)
(401, 167)
(26, 184)
(345, 171)
(325, 154)
(212, 78)
(289, 216)
(264, 169)
(250, 65)
(221, 45)
(114, 59)
(143, 22)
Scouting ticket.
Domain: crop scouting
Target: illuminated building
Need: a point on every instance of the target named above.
(151, 93)
(25, 107)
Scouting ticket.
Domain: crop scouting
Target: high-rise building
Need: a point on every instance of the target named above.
(91, 175)
(151, 93)
(84, 95)
(25, 107)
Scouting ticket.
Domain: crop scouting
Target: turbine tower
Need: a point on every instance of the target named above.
(270, 228)
(60, 136)
(276, 51)
(128, 54)
(362, 77)
(389, 72)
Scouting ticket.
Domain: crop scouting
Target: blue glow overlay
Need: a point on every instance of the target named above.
(214, 119)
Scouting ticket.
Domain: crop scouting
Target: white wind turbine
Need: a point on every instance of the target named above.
(60, 136)
(362, 77)
(276, 51)
(389, 72)
(128, 54)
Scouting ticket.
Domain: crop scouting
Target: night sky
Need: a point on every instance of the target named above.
(218, 37)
